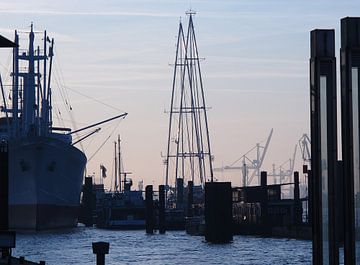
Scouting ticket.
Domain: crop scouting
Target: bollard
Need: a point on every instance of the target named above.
(43, 262)
(162, 227)
(21, 260)
(149, 209)
(218, 212)
(190, 199)
(100, 249)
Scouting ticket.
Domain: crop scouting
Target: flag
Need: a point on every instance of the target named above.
(103, 171)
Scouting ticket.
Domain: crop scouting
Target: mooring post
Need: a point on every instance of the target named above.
(297, 202)
(218, 212)
(88, 206)
(162, 223)
(179, 193)
(264, 202)
(190, 199)
(149, 209)
(100, 249)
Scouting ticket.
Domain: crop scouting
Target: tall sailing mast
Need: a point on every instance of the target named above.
(119, 156)
(188, 147)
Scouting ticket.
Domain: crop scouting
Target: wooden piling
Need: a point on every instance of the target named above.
(88, 201)
(149, 209)
(218, 212)
(297, 208)
(162, 223)
(190, 199)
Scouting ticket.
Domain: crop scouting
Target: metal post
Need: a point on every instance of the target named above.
(162, 223)
(190, 199)
(264, 202)
(323, 109)
(297, 202)
(218, 212)
(350, 91)
(100, 249)
(149, 209)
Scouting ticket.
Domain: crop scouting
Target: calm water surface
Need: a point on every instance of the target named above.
(135, 247)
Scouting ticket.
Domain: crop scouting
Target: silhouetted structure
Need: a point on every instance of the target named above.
(88, 203)
(162, 223)
(350, 64)
(100, 249)
(218, 212)
(149, 209)
(324, 144)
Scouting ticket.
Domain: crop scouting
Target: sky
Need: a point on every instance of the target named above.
(116, 56)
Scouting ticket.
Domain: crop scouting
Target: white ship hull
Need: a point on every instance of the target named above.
(45, 180)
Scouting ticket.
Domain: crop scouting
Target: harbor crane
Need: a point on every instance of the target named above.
(248, 164)
(305, 143)
(281, 172)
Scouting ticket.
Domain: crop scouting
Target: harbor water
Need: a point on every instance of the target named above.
(74, 246)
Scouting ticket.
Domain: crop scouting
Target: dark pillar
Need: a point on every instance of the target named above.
(149, 209)
(190, 199)
(310, 196)
(264, 201)
(218, 212)
(179, 192)
(162, 223)
(88, 202)
(100, 249)
(340, 202)
(350, 68)
(323, 111)
(4, 186)
(297, 202)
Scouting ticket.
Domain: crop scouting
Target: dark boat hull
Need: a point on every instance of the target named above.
(45, 180)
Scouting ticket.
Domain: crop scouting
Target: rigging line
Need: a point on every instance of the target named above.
(61, 75)
(105, 141)
(97, 100)
(104, 129)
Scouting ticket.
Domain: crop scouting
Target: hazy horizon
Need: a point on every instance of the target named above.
(113, 57)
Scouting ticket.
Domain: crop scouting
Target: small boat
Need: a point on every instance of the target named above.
(122, 208)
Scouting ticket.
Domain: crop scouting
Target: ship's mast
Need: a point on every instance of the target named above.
(15, 88)
(188, 149)
(116, 167)
(119, 156)
(31, 92)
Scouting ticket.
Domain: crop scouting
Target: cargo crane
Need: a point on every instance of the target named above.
(281, 172)
(305, 143)
(248, 164)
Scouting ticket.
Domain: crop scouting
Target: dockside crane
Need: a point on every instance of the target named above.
(282, 173)
(248, 164)
(305, 143)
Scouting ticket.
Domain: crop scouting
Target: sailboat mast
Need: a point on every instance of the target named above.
(116, 166)
(119, 156)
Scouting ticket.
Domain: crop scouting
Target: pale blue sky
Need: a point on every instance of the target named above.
(255, 72)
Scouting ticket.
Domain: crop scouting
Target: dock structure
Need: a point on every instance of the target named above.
(218, 212)
(335, 184)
